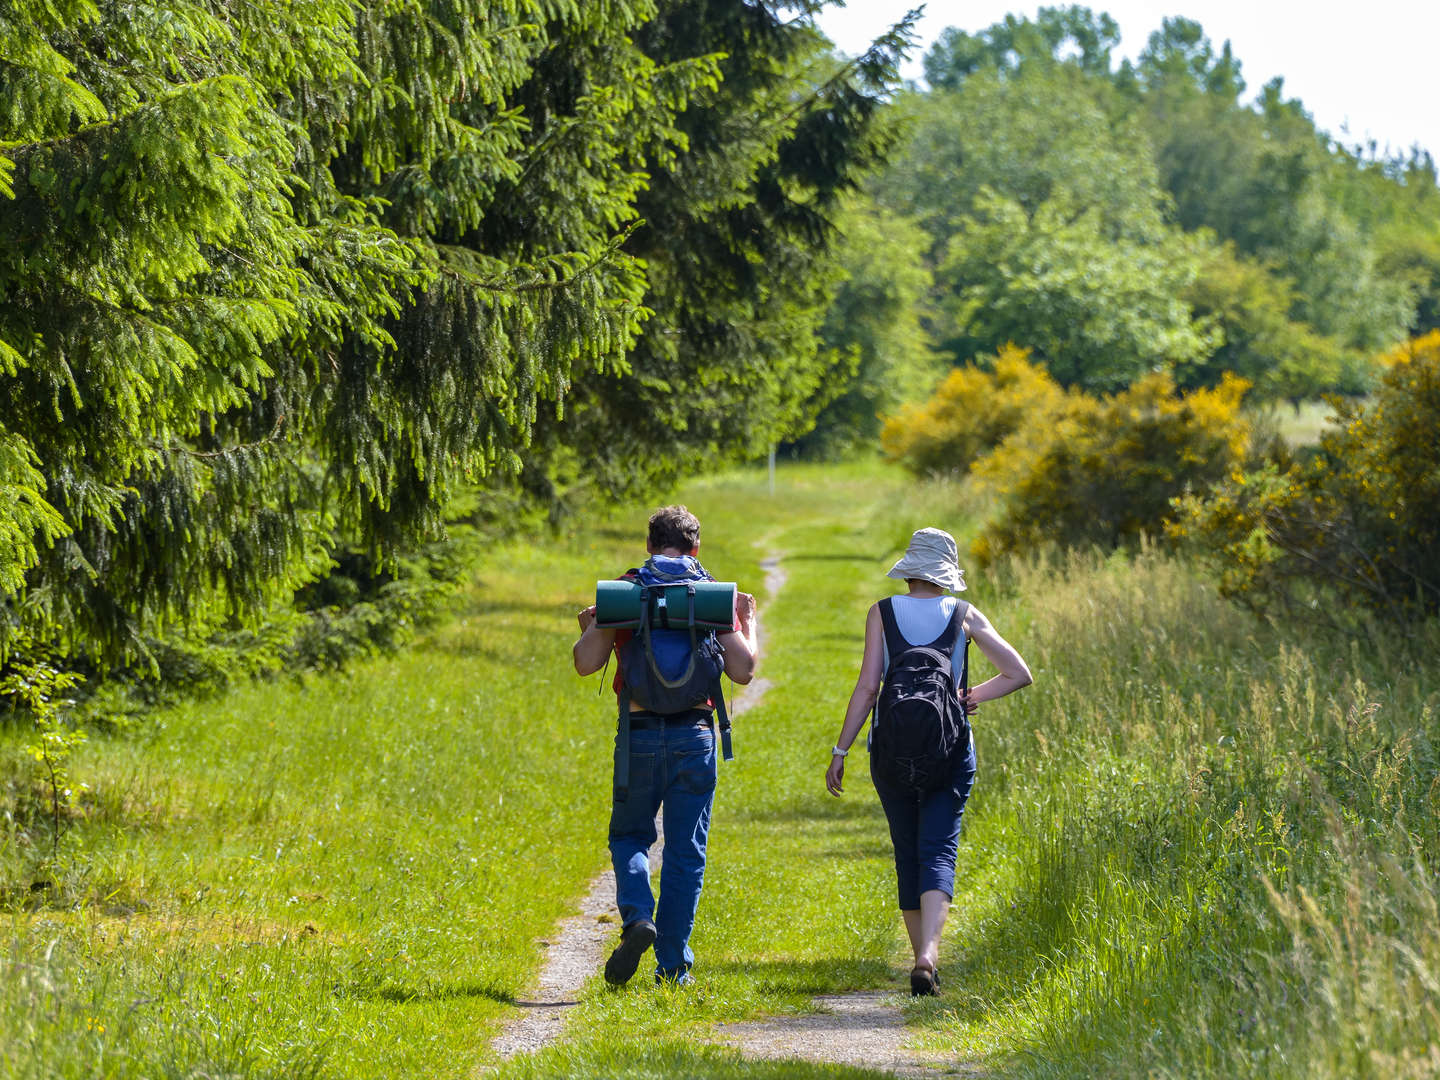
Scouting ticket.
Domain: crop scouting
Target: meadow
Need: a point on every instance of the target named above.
(1200, 845)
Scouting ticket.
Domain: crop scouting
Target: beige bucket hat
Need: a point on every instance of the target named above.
(931, 556)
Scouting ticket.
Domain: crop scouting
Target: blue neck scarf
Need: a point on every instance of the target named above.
(672, 570)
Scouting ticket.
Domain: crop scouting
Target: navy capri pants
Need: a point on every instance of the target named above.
(925, 831)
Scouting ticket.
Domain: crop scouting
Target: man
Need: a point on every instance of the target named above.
(671, 766)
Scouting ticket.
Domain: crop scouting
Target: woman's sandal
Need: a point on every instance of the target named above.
(924, 982)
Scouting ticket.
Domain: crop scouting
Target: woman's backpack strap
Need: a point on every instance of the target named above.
(895, 642)
(957, 620)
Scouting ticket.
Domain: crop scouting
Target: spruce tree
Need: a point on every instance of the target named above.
(279, 270)
(739, 249)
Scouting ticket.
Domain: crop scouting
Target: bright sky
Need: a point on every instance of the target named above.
(1362, 70)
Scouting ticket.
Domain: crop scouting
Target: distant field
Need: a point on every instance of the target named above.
(1300, 426)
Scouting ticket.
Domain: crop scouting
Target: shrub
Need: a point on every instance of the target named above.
(1105, 470)
(1359, 520)
(971, 413)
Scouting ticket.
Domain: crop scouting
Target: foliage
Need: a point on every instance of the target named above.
(1017, 42)
(1265, 179)
(245, 301)
(1358, 526)
(740, 224)
(1044, 133)
(971, 413)
(875, 317)
(1074, 208)
(1097, 311)
(1104, 471)
(36, 691)
(1048, 226)
(1248, 308)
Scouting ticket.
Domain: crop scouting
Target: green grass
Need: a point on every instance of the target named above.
(1198, 846)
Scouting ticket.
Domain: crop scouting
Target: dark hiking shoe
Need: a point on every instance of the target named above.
(924, 982)
(634, 940)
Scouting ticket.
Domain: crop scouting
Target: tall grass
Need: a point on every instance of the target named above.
(1214, 841)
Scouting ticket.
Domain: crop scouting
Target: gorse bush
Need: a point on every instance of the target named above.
(1105, 470)
(972, 412)
(1360, 520)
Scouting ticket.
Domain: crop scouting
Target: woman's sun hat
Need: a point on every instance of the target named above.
(931, 556)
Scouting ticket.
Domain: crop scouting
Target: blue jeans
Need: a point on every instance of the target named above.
(925, 831)
(671, 766)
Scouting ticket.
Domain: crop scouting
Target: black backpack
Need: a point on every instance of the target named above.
(646, 685)
(919, 723)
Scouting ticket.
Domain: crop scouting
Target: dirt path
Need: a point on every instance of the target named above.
(864, 1029)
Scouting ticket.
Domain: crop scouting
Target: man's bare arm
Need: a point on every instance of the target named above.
(740, 647)
(593, 648)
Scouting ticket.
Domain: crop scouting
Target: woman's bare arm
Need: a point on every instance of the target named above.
(1014, 673)
(862, 698)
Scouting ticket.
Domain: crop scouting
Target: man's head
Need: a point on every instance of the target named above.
(673, 528)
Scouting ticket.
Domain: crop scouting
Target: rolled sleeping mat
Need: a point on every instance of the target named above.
(617, 605)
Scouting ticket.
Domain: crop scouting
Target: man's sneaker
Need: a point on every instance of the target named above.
(634, 940)
(674, 978)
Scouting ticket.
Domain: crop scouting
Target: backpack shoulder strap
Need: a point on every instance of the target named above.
(957, 625)
(895, 642)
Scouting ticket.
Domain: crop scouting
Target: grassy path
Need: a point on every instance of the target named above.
(798, 896)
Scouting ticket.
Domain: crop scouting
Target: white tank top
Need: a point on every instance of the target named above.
(922, 619)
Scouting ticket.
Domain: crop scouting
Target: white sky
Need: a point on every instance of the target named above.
(1361, 70)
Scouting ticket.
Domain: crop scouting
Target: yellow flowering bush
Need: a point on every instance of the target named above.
(1105, 470)
(1427, 345)
(971, 412)
(1360, 520)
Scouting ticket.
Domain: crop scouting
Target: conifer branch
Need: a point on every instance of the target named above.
(204, 455)
(539, 284)
(893, 40)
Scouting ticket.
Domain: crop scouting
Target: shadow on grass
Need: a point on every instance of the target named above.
(401, 994)
(859, 805)
(483, 602)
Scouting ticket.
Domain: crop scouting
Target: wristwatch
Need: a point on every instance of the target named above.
(835, 751)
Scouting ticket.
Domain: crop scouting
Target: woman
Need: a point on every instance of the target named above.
(925, 827)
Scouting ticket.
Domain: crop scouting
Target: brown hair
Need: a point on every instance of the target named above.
(674, 527)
